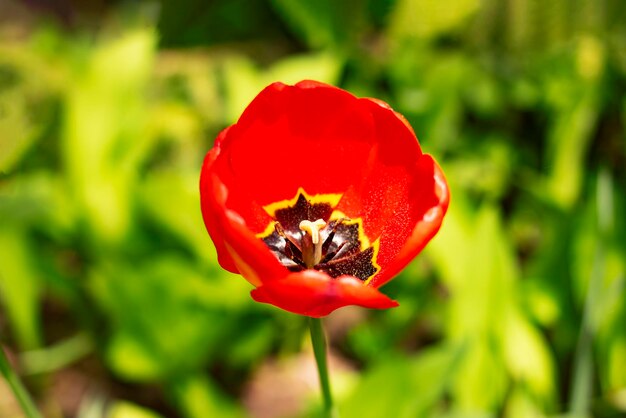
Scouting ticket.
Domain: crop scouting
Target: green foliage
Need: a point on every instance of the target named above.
(20, 287)
(404, 387)
(428, 19)
(516, 309)
(323, 23)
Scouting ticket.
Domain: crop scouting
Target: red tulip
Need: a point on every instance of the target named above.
(318, 198)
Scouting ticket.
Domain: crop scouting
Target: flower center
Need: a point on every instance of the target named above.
(307, 233)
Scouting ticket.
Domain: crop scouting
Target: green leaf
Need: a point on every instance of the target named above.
(122, 409)
(528, 357)
(167, 317)
(20, 286)
(481, 290)
(198, 397)
(575, 101)
(520, 404)
(17, 133)
(172, 199)
(322, 23)
(480, 381)
(480, 269)
(616, 361)
(26, 108)
(132, 357)
(426, 19)
(104, 138)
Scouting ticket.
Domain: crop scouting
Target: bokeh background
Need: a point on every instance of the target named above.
(113, 304)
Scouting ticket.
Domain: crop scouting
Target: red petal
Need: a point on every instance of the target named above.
(238, 249)
(429, 200)
(385, 187)
(209, 197)
(397, 192)
(316, 294)
(309, 136)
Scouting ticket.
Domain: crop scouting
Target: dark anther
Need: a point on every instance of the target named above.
(329, 256)
(333, 225)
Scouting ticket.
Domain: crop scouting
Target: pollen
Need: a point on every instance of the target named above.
(313, 228)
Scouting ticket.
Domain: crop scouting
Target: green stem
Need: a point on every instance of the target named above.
(319, 349)
(16, 386)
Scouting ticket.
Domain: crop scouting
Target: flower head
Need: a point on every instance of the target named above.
(318, 198)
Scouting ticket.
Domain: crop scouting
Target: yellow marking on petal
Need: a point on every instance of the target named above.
(376, 246)
(331, 198)
(337, 214)
(269, 229)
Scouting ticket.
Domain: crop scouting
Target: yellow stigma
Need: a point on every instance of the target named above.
(313, 228)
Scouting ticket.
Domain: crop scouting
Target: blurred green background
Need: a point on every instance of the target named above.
(112, 302)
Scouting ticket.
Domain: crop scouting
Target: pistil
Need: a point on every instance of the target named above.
(311, 242)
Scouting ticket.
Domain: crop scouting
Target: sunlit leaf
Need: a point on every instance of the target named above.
(528, 358)
(198, 397)
(426, 19)
(480, 380)
(103, 137)
(122, 409)
(521, 405)
(20, 286)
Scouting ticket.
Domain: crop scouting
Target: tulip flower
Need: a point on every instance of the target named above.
(318, 198)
